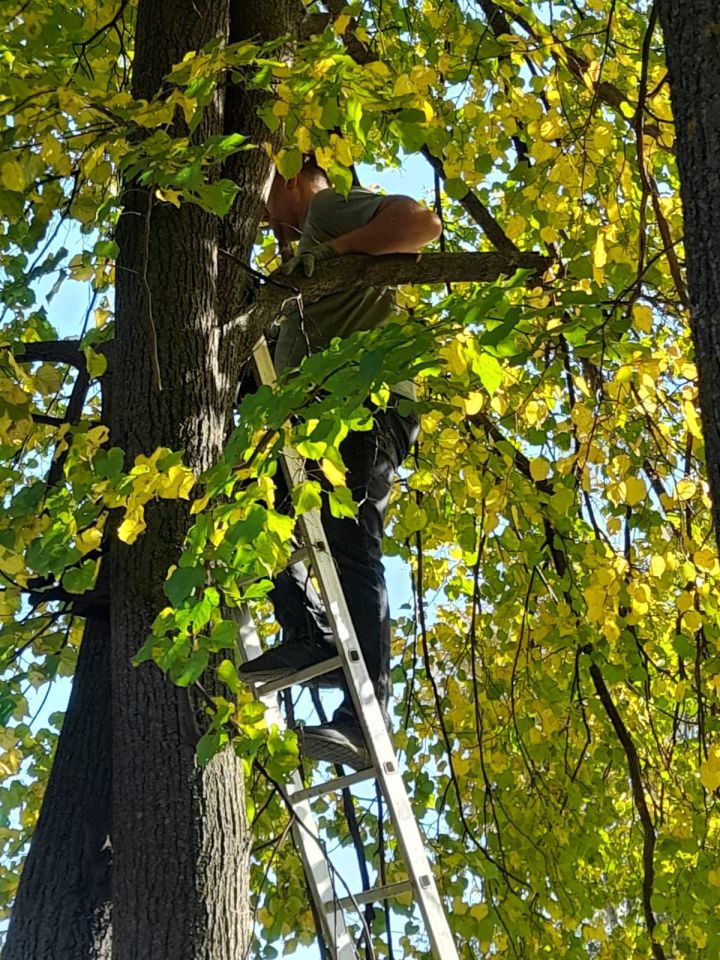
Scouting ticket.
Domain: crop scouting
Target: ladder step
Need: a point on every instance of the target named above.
(299, 556)
(330, 786)
(301, 676)
(385, 892)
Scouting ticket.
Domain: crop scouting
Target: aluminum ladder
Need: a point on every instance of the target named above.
(385, 770)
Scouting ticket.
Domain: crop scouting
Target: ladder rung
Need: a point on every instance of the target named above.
(299, 556)
(302, 676)
(330, 786)
(385, 892)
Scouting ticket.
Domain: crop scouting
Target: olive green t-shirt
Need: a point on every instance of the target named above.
(339, 314)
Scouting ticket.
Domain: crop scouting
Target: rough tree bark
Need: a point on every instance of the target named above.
(692, 43)
(62, 907)
(180, 839)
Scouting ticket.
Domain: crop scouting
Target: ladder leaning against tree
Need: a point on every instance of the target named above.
(384, 770)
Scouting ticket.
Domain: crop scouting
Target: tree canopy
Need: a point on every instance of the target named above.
(557, 680)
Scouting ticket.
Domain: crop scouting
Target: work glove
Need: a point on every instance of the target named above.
(307, 260)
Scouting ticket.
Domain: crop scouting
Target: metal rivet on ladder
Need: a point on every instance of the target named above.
(425, 881)
(389, 767)
(354, 656)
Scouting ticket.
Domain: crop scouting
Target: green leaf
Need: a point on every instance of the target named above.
(223, 636)
(181, 583)
(209, 744)
(489, 371)
(340, 178)
(341, 503)
(455, 188)
(217, 197)
(80, 579)
(289, 163)
(183, 674)
(306, 496)
(228, 674)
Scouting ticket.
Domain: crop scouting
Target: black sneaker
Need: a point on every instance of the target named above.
(336, 742)
(287, 658)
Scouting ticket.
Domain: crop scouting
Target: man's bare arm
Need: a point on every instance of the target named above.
(400, 225)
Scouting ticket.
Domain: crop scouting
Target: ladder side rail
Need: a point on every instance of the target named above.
(379, 744)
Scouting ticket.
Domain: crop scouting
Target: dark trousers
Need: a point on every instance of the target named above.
(372, 459)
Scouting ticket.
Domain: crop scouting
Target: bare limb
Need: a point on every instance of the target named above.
(638, 792)
(50, 351)
(352, 270)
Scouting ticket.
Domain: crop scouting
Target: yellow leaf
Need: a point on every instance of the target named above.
(642, 318)
(539, 468)
(479, 911)
(335, 476)
(199, 505)
(133, 525)
(13, 176)
(304, 141)
(341, 24)
(705, 559)
(710, 769)
(96, 362)
(342, 150)
(473, 402)
(169, 196)
(635, 491)
(179, 483)
(685, 489)
(657, 566)
(596, 600)
(599, 252)
(89, 540)
(456, 357)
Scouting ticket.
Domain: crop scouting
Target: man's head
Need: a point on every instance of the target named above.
(288, 200)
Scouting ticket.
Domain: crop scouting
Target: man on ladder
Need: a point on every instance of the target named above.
(329, 225)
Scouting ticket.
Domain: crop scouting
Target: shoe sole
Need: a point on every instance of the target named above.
(319, 747)
(330, 680)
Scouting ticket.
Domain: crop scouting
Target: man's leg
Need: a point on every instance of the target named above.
(372, 459)
(306, 635)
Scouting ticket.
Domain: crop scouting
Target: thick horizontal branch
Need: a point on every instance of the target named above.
(344, 273)
(50, 351)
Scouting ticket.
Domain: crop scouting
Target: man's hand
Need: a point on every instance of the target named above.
(306, 261)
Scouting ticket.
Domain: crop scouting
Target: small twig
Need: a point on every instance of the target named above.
(148, 295)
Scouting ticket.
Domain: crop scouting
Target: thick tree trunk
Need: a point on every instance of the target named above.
(180, 838)
(692, 43)
(62, 909)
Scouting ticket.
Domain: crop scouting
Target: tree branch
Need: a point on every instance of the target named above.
(475, 208)
(51, 351)
(638, 792)
(576, 64)
(351, 271)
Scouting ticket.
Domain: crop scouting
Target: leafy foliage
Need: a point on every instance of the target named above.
(558, 678)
